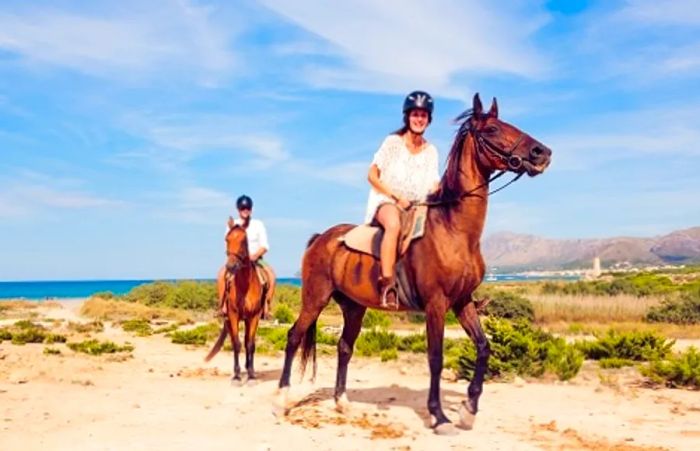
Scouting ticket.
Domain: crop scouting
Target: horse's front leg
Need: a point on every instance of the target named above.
(469, 319)
(435, 325)
(251, 327)
(236, 345)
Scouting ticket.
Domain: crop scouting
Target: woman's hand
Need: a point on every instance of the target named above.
(403, 203)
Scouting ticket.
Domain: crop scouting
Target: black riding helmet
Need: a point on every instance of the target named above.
(418, 99)
(244, 202)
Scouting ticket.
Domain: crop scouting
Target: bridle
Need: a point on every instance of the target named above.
(514, 163)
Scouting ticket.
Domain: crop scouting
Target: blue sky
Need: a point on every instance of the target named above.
(127, 129)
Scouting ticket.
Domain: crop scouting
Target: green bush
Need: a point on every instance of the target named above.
(95, 347)
(374, 319)
(289, 295)
(681, 370)
(276, 337)
(417, 343)
(196, 336)
(283, 314)
(640, 284)
(86, 328)
(637, 346)
(54, 338)
(683, 310)
(373, 342)
(52, 351)
(563, 360)
(5, 334)
(508, 305)
(519, 349)
(104, 295)
(388, 354)
(188, 295)
(140, 327)
(614, 362)
(24, 336)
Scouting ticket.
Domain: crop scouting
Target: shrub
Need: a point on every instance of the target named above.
(614, 362)
(104, 295)
(95, 347)
(283, 314)
(188, 295)
(677, 371)
(637, 346)
(373, 342)
(197, 336)
(683, 310)
(52, 351)
(289, 295)
(54, 338)
(140, 327)
(5, 334)
(388, 354)
(509, 305)
(86, 328)
(24, 336)
(375, 319)
(276, 337)
(519, 349)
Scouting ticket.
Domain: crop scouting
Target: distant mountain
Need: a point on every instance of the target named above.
(511, 251)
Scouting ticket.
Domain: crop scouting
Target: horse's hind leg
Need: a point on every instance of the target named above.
(352, 318)
(251, 326)
(469, 319)
(316, 294)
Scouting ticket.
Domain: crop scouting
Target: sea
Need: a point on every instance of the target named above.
(76, 289)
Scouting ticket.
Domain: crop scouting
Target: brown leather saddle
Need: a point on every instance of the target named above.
(368, 238)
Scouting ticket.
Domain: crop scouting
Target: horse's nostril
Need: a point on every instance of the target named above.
(537, 151)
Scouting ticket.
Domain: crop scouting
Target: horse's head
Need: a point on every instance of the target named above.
(236, 247)
(504, 147)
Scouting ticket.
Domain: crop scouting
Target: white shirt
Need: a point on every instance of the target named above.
(256, 234)
(411, 176)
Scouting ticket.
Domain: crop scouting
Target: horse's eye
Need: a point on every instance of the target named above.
(491, 129)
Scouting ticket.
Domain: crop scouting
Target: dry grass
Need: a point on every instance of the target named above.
(592, 328)
(590, 309)
(18, 308)
(103, 309)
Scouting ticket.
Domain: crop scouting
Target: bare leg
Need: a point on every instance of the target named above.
(220, 287)
(388, 217)
(267, 302)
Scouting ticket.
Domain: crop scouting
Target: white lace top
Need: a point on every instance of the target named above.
(407, 175)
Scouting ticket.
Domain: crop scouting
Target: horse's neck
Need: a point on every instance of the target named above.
(466, 218)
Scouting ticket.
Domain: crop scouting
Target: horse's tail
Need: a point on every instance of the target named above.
(219, 341)
(312, 239)
(308, 349)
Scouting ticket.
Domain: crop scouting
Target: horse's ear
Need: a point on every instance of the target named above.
(477, 108)
(494, 109)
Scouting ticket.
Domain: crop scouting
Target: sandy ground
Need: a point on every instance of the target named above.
(165, 397)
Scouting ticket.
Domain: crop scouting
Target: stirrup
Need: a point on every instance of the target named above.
(386, 287)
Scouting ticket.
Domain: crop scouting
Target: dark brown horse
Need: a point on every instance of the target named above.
(243, 296)
(443, 268)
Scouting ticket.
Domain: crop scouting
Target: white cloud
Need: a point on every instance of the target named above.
(175, 140)
(398, 45)
(350, 173)
(676, 12)
(32, 194)
(131, 41)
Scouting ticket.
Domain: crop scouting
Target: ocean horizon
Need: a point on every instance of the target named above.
(72, 289)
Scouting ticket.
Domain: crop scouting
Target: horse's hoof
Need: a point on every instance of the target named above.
(446, 429)
(236, 382)
(342, 404)
(466, 417)
(251, 382)
(279, 405)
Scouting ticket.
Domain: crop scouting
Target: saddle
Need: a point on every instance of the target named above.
(368, 238)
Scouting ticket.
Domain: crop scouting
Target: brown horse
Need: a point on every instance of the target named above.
(442, 269)
(243, 295)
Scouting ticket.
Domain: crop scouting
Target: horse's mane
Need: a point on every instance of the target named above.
(449, 184)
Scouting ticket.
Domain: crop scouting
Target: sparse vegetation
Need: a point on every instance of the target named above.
(683, 310)
(283, 314)
(509, 305)
(115, 310)
(681, 370)
(140, 327)
(199, 335)
(52, 351)
(636, 346)
(86, 328)
(96, 347)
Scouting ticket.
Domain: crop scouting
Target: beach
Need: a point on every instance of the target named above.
(164, 396)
